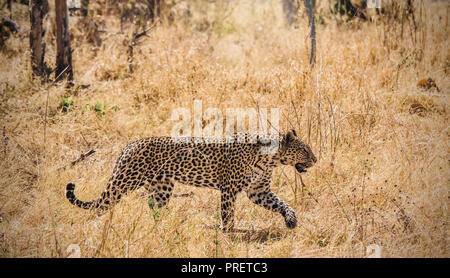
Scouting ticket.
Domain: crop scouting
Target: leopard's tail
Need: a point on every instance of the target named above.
(95, 204)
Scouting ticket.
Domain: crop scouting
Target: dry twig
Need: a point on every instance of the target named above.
(134, 42)
(81, 158)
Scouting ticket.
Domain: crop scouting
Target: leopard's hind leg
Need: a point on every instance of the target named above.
(227, 205)
(161, 191)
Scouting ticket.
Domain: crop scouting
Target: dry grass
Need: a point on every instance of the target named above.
(383, 171)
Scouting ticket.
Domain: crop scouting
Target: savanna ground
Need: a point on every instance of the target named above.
(382, 142)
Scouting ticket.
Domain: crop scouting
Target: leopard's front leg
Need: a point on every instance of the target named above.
(261, 195)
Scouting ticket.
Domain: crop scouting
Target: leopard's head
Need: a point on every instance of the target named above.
(296, 153)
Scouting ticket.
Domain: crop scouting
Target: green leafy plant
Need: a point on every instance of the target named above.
(100, 108)
(66, 104)
(322, 242)
(156, 211)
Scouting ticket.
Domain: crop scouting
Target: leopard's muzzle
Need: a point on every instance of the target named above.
(301, 167)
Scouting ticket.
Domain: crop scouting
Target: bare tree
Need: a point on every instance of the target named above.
(346, 7)
(154, 7)
(39, 8)
(134, 42)
(7, 28)
(310, 6)
(84, 7)
(290, 9)
(63, 50)
(9, 5)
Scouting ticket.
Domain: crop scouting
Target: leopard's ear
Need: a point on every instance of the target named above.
(287, 139)
(290, 136)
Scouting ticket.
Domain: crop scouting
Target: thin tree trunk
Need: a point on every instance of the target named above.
(310, 5)
(39, 8)
(63, 50)
(9, 5)
(290, 9)
(154, 7)
(84, 7)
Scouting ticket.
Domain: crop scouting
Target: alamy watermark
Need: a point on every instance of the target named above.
(374, 4)
(211, 125)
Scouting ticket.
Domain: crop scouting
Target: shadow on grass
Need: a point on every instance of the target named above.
(258, 236)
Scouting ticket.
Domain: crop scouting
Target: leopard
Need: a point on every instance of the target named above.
(241, 163)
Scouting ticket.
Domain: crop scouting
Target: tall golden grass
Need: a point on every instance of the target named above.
(382, 143)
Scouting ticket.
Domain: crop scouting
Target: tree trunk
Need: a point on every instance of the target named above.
(39, 8)
(84, 7)
(310, 5)
(290, 9)
(63, 50)
(154, 7)
(9, 5)
(345, 7)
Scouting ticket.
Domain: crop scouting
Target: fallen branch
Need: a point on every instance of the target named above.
(81, 158)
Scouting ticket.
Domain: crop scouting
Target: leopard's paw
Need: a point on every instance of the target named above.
(290, 219)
